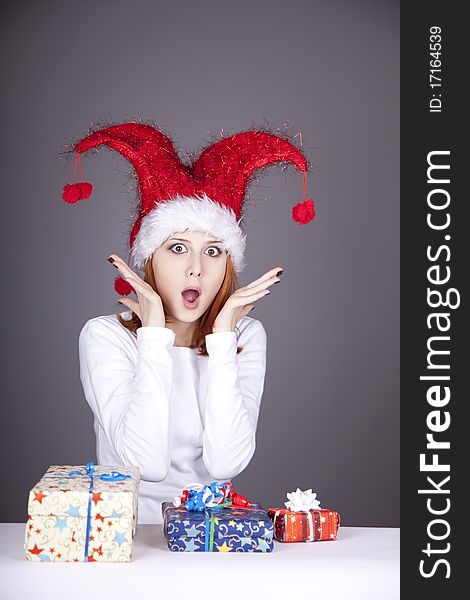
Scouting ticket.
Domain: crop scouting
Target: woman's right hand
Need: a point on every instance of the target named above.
(149, 307)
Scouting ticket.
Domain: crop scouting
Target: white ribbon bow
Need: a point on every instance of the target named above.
(302, 501)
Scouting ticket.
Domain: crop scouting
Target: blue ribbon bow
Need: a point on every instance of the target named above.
(209, 495)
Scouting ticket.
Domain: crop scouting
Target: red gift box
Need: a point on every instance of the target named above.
(311, 526)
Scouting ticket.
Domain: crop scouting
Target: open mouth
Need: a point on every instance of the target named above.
(190, 297)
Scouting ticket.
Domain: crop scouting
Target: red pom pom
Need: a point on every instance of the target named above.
(76, 191)
(122, 287)
(304, 212)
(85, 189)
(71, 193)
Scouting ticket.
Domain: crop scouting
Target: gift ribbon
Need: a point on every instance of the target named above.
(312, 530)
(213, 494)
(210, 526)
(197, 496)
(90, 467)
(89, 470)
(209, 532)
(111, 476)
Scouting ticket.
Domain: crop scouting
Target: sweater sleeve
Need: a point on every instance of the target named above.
(130, 399)
(235, 387)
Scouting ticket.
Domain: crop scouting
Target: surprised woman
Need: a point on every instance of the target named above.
(175, 381)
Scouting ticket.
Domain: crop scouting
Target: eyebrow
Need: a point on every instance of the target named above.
(189, 241)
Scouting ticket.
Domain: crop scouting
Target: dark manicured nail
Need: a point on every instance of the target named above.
(276, 282)
(279, 273)
(111, 260)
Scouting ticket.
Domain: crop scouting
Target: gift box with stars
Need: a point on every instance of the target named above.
(303, 520)
(83, 514)
(230, 529)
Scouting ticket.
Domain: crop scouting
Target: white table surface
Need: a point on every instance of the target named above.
(362, 563)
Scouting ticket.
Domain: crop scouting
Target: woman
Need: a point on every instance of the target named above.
(175, 382)
(158, 402)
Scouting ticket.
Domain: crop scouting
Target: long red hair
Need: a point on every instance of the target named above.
(206, 321)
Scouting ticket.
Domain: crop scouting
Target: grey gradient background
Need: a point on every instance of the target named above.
(330, 412)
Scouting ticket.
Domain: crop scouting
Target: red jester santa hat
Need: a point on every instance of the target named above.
(206, 196)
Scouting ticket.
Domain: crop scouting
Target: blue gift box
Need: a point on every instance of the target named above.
(230, 529)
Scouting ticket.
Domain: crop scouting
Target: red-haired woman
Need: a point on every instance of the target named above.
(176, 388)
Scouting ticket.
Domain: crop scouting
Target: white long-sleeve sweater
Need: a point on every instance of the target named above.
(180, 417)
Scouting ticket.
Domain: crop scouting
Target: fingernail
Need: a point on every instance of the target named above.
(279, 272)
(276, 282)
(111, 260)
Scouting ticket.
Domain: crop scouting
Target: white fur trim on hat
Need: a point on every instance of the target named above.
(182, 213)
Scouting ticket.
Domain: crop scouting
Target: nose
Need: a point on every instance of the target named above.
(194, 267)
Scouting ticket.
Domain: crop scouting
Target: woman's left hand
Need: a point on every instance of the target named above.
(239, 303)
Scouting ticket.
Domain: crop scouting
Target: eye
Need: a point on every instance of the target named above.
(177, 245)
(216, 248)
